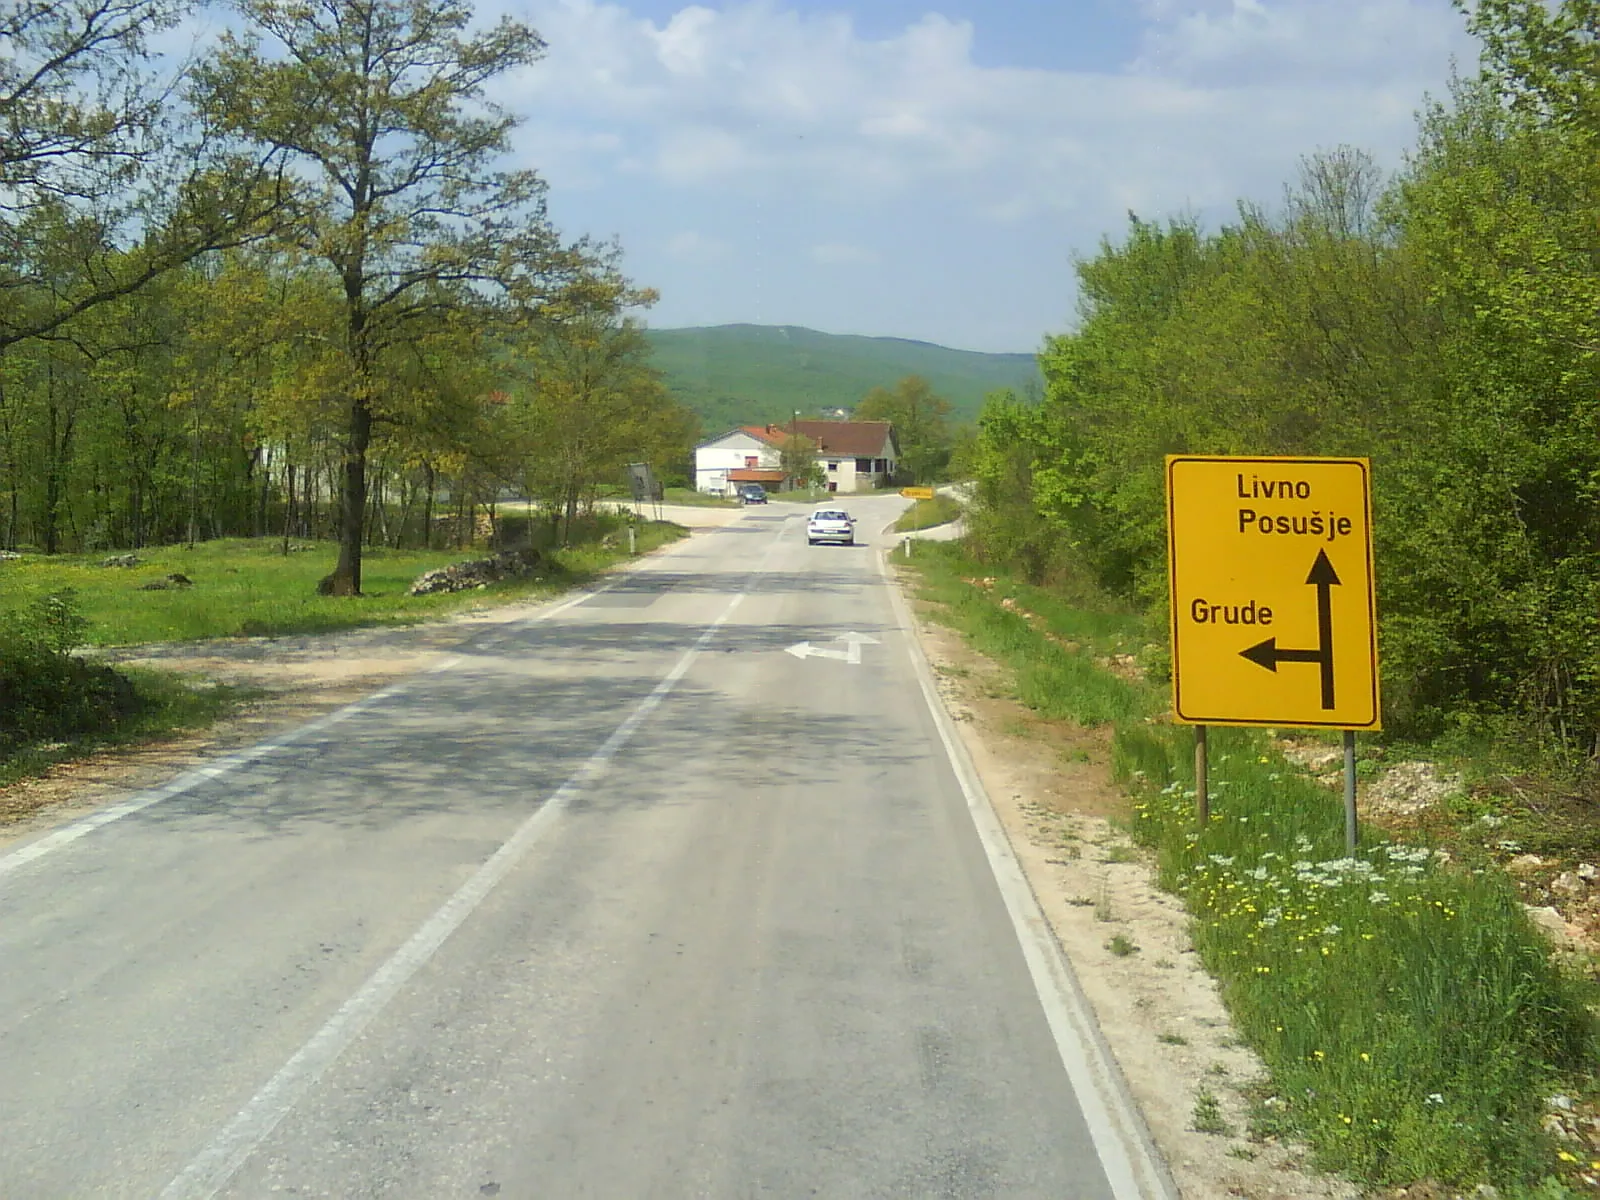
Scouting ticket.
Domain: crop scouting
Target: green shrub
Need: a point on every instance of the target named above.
(46, 694)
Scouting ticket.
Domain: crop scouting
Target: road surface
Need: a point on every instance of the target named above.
(626, 900)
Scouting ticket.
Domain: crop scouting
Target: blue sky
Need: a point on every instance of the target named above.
(928, 168)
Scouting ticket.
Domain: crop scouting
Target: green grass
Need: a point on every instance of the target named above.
(1410, 1015)
(248, 588)
(673, 495)
(1207, 1117)
(683, 495)
(925, 514)
(1052, 680)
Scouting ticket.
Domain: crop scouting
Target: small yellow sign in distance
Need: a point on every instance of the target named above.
(917, 493)
(1274, 618)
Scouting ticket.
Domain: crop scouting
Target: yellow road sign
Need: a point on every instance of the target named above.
(917, 493)
(1274, 620)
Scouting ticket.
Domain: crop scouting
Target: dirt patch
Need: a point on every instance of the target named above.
(1128, 940)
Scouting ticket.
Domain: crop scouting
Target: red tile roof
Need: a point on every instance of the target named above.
(847, 439)
(754, 475)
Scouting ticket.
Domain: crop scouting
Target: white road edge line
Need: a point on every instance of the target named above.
(211, 1169)
(1132, 1163)
(32, 851)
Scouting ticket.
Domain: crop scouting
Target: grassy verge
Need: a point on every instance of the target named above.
(1411, 1017)
(925, 514)
(674, 495)
(249, 588)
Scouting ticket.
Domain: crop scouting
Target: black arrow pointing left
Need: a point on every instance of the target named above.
(1266, 654)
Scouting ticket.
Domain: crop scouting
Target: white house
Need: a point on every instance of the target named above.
(724, 464)
(853, 456)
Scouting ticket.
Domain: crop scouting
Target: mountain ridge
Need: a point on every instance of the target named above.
(746, 373)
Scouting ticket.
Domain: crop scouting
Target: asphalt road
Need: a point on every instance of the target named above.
(629, 900)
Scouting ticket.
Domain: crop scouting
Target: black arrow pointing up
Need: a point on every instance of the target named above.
(1266, 654)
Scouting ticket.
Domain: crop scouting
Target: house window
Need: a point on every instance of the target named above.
(752, 461)
(863, 466)
(833, 464)
(880, 466)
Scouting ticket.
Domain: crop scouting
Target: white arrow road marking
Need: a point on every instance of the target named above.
(851, 654)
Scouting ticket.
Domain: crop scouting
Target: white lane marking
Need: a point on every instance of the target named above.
(850, 654)
(32, 851)
(211, 1169)
(1132, 1164)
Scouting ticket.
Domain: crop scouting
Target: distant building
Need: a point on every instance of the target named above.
(853, 456)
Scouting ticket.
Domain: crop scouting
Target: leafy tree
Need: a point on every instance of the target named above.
(591, 403)
(380, 103)
(87, 141)
(920, 421)
(797, 458)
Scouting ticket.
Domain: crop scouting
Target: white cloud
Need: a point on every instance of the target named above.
(757, 98)
(800, 142)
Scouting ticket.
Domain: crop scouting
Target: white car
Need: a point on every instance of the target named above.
(831, 525)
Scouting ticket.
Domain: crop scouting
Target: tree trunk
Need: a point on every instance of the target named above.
(346, 577)
(10, 540)
(380, 514)
(427, 507)
(288, 505)
(54, 467)
(571, 511)
(260, 461)
(408, 494)
(194, 478)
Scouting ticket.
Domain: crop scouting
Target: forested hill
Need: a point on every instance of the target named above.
(743, 374)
